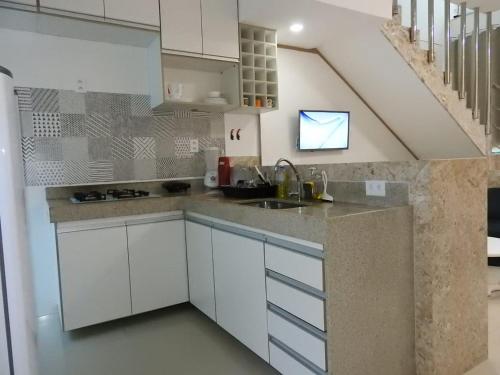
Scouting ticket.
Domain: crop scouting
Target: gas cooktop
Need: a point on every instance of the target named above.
(110, 195)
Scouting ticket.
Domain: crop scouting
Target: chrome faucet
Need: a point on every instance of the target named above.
(297, 176)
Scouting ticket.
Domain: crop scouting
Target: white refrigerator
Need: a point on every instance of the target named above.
(17, 332)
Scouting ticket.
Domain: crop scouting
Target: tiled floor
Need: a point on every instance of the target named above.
(492, 365)
(174, 341)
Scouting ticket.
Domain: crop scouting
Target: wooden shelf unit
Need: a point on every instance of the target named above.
(258, 68)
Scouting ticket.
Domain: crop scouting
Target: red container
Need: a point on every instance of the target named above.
(224, 170)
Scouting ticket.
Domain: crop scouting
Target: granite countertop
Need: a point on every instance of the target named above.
(309, 223)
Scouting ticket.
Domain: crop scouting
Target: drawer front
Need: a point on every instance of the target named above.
(309, 346)
(301, 267)
(285, 363)
(297, 302)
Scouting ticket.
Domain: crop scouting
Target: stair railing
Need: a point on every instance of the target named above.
(461, 63)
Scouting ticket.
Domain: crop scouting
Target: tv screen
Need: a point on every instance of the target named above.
(323, 130)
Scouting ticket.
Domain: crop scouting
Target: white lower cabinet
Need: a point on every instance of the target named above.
(158, 269)
(200, 266)
(240, 290)
(285, 363)
(94, 276)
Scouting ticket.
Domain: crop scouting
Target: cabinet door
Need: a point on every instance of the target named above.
(91, 7)
(240, 290)
(200, 268)
(181, 25)
(94, 276)
(158, 269)
(146, 12)
(220, 28)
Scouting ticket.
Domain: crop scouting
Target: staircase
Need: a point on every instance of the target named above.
(466, 88)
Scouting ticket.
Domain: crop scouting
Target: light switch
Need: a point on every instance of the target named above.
(375, 188)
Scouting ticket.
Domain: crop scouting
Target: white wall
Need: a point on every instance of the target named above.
(249, 143)
(379, 8)
(306, 82)
(38, 60)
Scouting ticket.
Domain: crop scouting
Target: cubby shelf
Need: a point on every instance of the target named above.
(258, 69)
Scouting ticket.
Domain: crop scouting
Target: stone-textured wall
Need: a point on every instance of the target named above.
(71, 138)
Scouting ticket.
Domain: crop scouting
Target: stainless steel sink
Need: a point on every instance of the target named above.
(273, 204)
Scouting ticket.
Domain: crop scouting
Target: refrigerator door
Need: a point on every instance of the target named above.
(5, 344)
(14, 234)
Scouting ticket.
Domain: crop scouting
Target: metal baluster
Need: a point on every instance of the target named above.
(431, 55)
(489, 31)
(475, 66)
(461, 50)
(413, 29)
(447, 42)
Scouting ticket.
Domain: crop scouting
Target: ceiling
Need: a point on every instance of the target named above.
(321, 21)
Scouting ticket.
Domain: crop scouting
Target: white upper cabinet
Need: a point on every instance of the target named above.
(220, 28)
(145, 12)
(90, 7)
(240, 290)
(158, 269)
(181, 25)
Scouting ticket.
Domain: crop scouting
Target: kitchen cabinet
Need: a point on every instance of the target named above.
(145, 12)
(89, 7)
(158, 269)
(94, 276)
(181, 25)
(220, 28)
(200, 266)
(240, 290)
(203, 27)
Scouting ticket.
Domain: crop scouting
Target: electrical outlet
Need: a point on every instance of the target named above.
(375, 188)
(80, 86)
(194, 145)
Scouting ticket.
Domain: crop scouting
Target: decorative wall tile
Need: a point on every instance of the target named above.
(28, 149)
(71, 102)
(99, 148)
(31, 173)
(73, 138)
(164, 126)
(122, 148)
(24, 99)
(141, 126)
(45, 100)
(141, 105)
(76, 172)
(165, 147)
(183, 147)
(48, 149)
(98, 125)
(165, 167)
(73, 125)
(46, 124)
(123, 170)
(144, 148)
(100, 171)
(26, 123)
(75, 148)
(50, 172)
(144, 169)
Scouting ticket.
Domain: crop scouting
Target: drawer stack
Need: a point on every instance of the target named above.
(296, 308)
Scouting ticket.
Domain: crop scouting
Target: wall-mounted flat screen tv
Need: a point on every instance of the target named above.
(323, 130)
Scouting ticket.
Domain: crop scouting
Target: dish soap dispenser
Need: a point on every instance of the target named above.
(324, 195)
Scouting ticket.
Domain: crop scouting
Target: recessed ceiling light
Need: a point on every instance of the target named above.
(296, 27)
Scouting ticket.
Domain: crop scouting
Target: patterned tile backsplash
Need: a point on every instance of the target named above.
(71, 138)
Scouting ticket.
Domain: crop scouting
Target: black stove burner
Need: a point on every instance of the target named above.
(89, 196)
(127, 193)
(111, 194)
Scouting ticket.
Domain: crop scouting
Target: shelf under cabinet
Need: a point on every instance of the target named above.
(171, 106)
